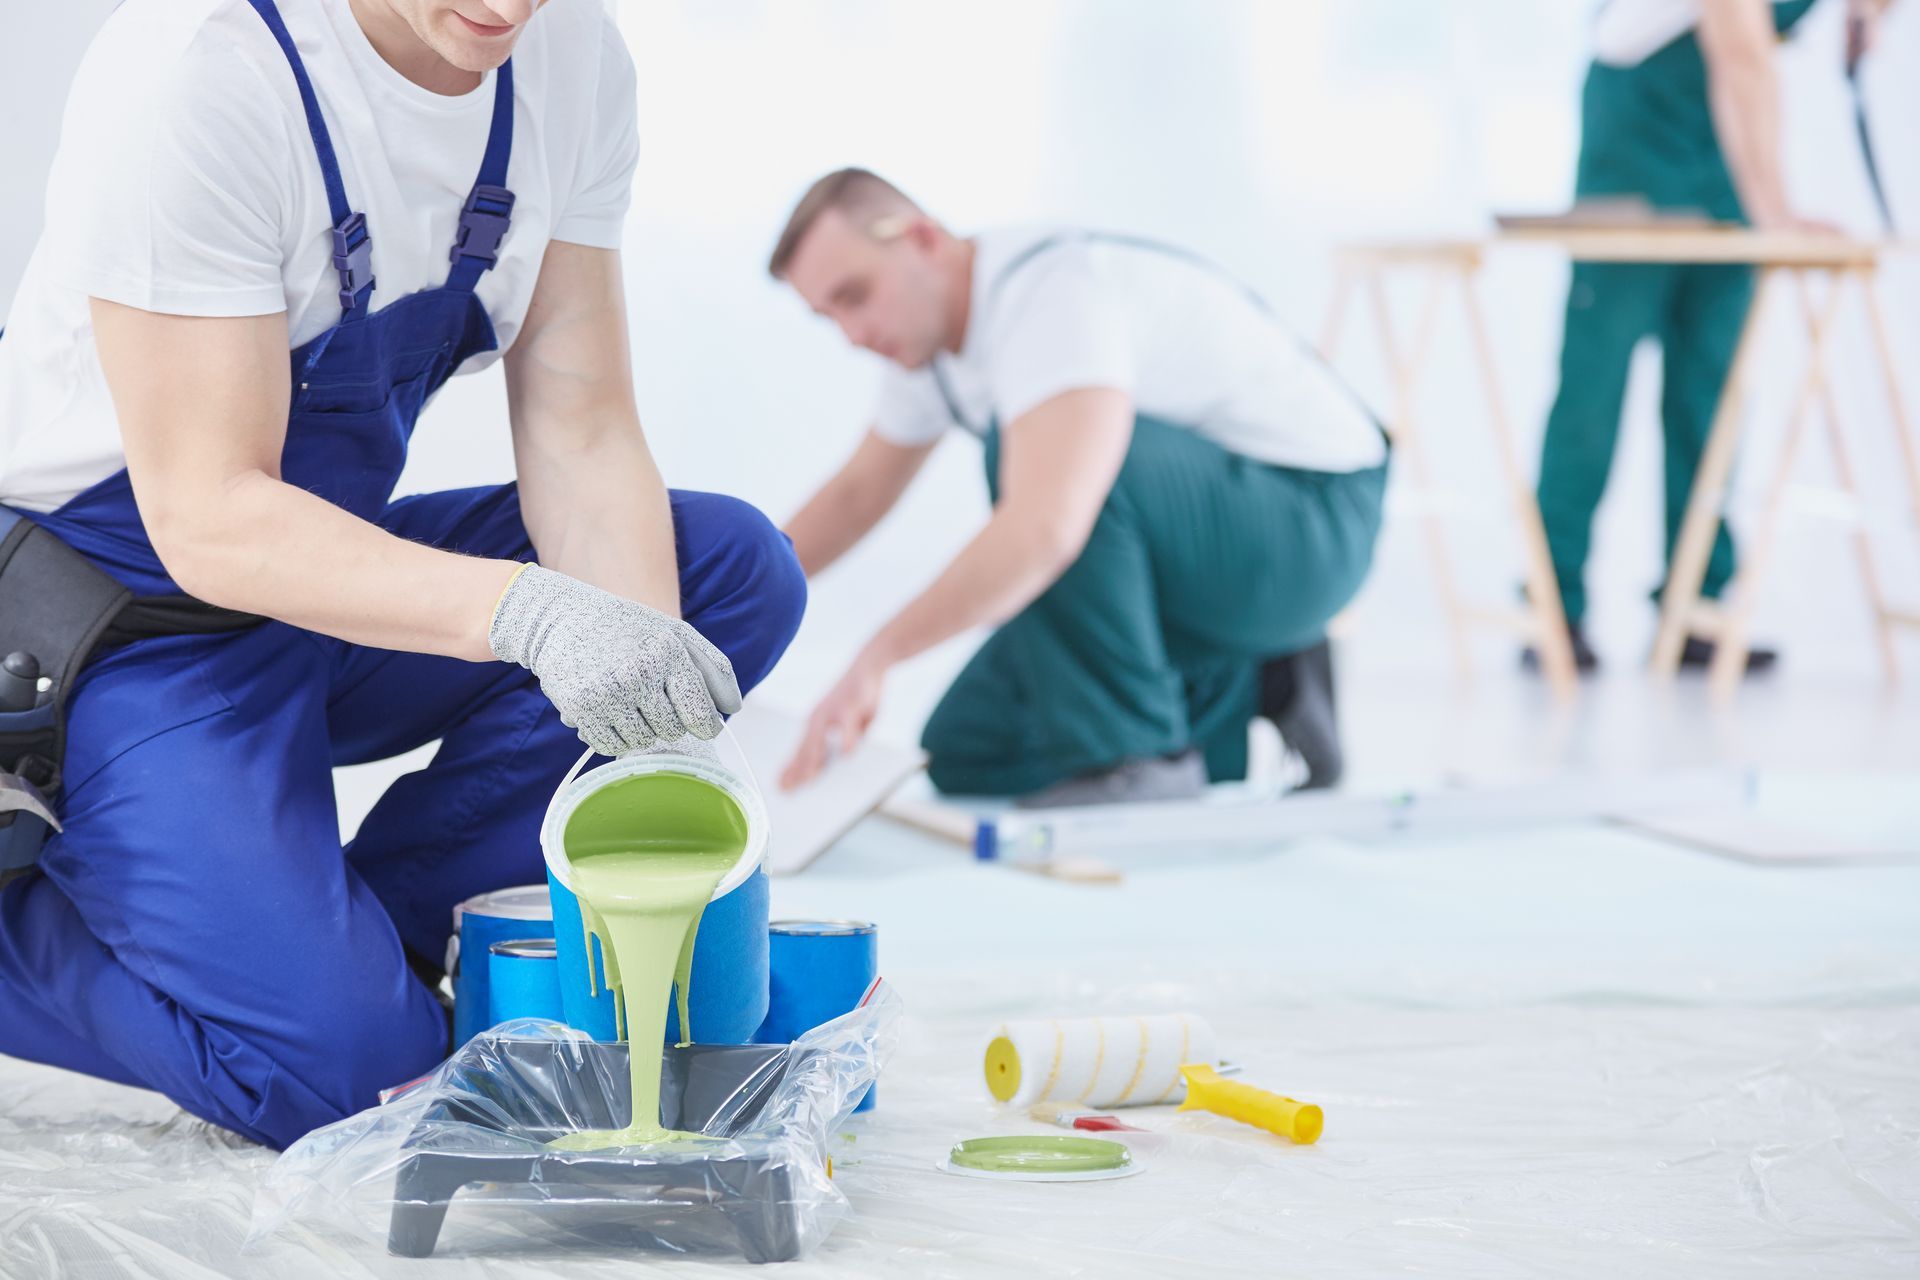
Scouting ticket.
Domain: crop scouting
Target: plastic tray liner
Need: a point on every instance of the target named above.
(458, 1161)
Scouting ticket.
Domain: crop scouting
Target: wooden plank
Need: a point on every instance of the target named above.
(1698, 245)
(1380, 253)
(1623, 244)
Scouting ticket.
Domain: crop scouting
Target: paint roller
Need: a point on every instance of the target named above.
(1131, 1062)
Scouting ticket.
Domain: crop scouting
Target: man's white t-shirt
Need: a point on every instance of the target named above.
(1628, 32)
(186, 182)
(1189, 344)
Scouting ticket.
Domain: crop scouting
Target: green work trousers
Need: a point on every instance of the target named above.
(1696, 313)
(1646, 130)
(1202, 565)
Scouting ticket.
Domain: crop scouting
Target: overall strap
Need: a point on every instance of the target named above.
(352, 246)
(1148, 245)
(489, 207)
(1142, 243)
(1046, 244)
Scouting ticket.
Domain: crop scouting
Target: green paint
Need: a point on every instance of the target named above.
(1049, 1154)
(646, 854)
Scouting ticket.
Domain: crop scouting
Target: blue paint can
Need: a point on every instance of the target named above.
(478, 923)
(728, 989)
(817, 970)
(728, 996)
(523, 980)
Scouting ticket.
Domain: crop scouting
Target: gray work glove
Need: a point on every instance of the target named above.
(622, 674)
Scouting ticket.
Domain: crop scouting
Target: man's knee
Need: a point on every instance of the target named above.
(775, 573)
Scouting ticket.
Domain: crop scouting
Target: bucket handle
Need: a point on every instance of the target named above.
(546, 819)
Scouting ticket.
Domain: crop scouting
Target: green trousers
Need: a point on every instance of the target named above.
(1202, 565)
(1696, 313)
(1646, 130)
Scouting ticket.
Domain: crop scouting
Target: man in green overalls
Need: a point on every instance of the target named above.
(1183, 497)
(1681, 107)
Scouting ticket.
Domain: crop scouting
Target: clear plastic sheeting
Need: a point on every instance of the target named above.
(462, 1157)
(1570, 1052)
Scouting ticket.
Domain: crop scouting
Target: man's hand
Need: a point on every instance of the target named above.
(838, 723)
(1058, 463)
(623, 674)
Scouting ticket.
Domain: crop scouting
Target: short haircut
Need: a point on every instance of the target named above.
(863, 196)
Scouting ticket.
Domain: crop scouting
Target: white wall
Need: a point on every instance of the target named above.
(1259, 131)
(40, 45)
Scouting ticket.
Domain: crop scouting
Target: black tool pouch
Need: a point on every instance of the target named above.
(56, 606)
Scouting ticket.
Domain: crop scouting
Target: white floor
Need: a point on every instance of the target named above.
(1558, 1050)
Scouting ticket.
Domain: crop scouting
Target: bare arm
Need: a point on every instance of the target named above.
(1057, 466)
(1743, 86)
(590, 493)
(853, 501)
(202, 404)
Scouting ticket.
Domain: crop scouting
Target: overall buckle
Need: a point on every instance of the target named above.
(483, 224)
(353, 259)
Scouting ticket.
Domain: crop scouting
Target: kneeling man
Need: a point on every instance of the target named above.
(1183, 497)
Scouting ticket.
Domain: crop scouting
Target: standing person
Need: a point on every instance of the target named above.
(1681, 107)
(302, 179)
(1183, 497)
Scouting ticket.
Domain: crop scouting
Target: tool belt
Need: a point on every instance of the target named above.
(56, 607)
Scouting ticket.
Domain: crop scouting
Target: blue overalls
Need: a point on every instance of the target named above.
(198, 929)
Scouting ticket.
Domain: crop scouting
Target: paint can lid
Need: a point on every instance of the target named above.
(526, 948)
(822, 928)
(523, 902)
(1040, 1159)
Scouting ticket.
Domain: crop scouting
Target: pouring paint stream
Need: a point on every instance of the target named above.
(646, 854)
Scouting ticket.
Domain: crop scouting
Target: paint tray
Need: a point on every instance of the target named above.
(464, 1149)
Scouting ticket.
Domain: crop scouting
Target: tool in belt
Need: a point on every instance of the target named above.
(57, 613)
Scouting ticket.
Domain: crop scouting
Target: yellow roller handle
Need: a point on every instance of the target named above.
(1207, 1090)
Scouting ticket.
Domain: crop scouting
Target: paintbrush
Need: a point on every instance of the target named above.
(1069, 1116)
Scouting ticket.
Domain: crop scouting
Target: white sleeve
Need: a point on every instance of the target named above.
(178, 206)
(910, 411)
(596, 210)
(1055, 327)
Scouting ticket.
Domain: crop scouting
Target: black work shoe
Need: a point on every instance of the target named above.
(1296, 694)
(1585, 660)
(1697, 655)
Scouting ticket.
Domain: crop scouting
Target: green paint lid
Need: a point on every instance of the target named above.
(1052, 1157)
